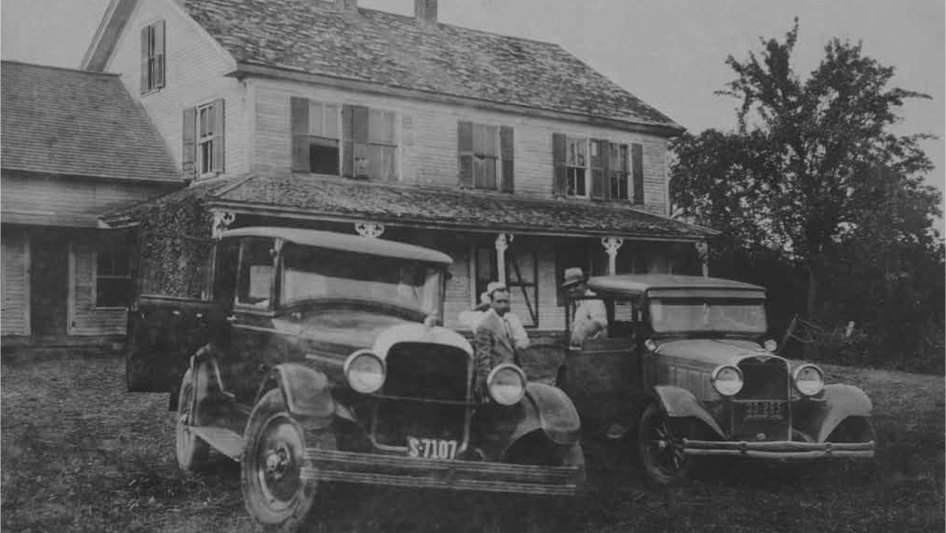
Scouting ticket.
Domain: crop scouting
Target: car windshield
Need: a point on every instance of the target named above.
(310, 273)
(692, 315)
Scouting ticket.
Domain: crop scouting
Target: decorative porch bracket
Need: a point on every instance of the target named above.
(503, 240)
(611, 247)
(371, 230)
(702, 252)
(221, 222)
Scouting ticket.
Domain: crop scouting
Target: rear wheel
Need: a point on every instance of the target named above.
(660, 447)
(191, 451)
(274, 491)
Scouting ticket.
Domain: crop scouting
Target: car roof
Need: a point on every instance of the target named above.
(344, 242)
(674, 285)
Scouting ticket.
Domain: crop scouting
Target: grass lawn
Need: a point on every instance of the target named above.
(80, 454)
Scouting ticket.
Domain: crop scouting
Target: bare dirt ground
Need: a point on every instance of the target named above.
(81, 454)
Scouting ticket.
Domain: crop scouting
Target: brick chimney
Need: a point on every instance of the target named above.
(425, 11)
(349, 6)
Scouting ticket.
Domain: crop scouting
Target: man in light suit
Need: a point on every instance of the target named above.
(493, 339)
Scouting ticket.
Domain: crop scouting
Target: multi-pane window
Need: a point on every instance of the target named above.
(315, 139)
(576, 166)
(152, 57)
(203, 150)
(486, 156)
(619, 179)
(522, 276)
(113, 282)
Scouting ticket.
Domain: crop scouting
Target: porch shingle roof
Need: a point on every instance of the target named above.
(318, 197)
(314, 37)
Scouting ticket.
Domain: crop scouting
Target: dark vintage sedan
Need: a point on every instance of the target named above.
(686, 370)
(318, 357)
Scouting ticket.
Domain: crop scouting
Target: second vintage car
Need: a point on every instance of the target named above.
(317, 356)
(685, 369)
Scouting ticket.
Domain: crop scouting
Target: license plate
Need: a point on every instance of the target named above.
(431, 448)
(763, 411)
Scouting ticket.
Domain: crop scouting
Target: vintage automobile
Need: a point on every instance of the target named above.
(319, 357)
(686, 371)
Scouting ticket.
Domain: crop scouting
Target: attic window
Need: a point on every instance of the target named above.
(152, 57)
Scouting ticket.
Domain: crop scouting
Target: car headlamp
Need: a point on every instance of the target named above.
(770, 345)
(506, 384)
(364, 371)
(808, 379)
(727, 380)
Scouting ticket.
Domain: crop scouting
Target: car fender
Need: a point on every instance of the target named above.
(837, 403)
(550, 409)
(305, 391)
(678, 402)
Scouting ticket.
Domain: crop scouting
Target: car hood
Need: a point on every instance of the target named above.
(354, 329)
(712, 352)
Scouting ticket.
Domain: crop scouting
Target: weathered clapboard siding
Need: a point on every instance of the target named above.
(14, 286)
(196, 74)
(85, 318)
(427, 134)
(30, 198)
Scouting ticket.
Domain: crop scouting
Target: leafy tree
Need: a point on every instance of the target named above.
(811, 162)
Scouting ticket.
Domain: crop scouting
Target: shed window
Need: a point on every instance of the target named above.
(113, 282)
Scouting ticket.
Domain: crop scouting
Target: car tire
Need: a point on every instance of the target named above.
(192, 452)
(275, 494)
(659, 449)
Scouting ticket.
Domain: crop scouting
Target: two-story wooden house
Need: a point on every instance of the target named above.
(511, 155)
(74, 144)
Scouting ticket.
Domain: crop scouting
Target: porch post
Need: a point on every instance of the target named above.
(222, 221)
(503, 240)
(702, 252)
(611, 246)
(371, 230)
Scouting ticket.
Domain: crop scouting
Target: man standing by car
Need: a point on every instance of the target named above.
(590, 317)
(493, 339)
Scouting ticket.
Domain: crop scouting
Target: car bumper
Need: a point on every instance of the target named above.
(780, 449)
(351, 467)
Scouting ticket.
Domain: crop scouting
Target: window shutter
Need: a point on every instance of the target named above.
(189, 153)
(348, 150)
(360, 141)
(606, 167)
(637, 154)
(465, 152)
(144, 59)
(299, 125)
(558, 162)
(159, 54)
(507, 154)
(597, 169)
(219, 109)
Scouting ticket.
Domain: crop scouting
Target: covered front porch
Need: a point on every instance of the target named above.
(524, 242)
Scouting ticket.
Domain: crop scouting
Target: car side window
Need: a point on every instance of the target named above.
(255, 283)
(623, 323)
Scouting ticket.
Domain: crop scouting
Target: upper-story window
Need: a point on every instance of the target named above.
(315, 139)
(203, 150)
(597, 169)
(485, 156)
(152, 57)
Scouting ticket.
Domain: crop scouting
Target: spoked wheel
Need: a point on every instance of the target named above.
(274, 492)
(660, 449)
(191, 450)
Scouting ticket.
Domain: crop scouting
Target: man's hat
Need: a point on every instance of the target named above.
(574, 276)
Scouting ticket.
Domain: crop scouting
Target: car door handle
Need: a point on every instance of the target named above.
(231, 319)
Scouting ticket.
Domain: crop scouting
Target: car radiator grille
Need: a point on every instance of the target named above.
(423, 395)
(761, 410)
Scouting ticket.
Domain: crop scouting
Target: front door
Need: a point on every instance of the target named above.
(49, 284)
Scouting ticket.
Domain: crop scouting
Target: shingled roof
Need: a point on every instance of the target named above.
(77, 123)
(319, 197)
(314, 37)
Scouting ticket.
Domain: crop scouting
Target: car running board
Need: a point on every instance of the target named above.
(227, 441)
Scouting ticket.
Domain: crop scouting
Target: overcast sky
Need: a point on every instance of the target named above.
(669, 53)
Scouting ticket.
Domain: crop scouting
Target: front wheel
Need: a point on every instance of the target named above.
(660, 447)
(191, 451)
(274, 492)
